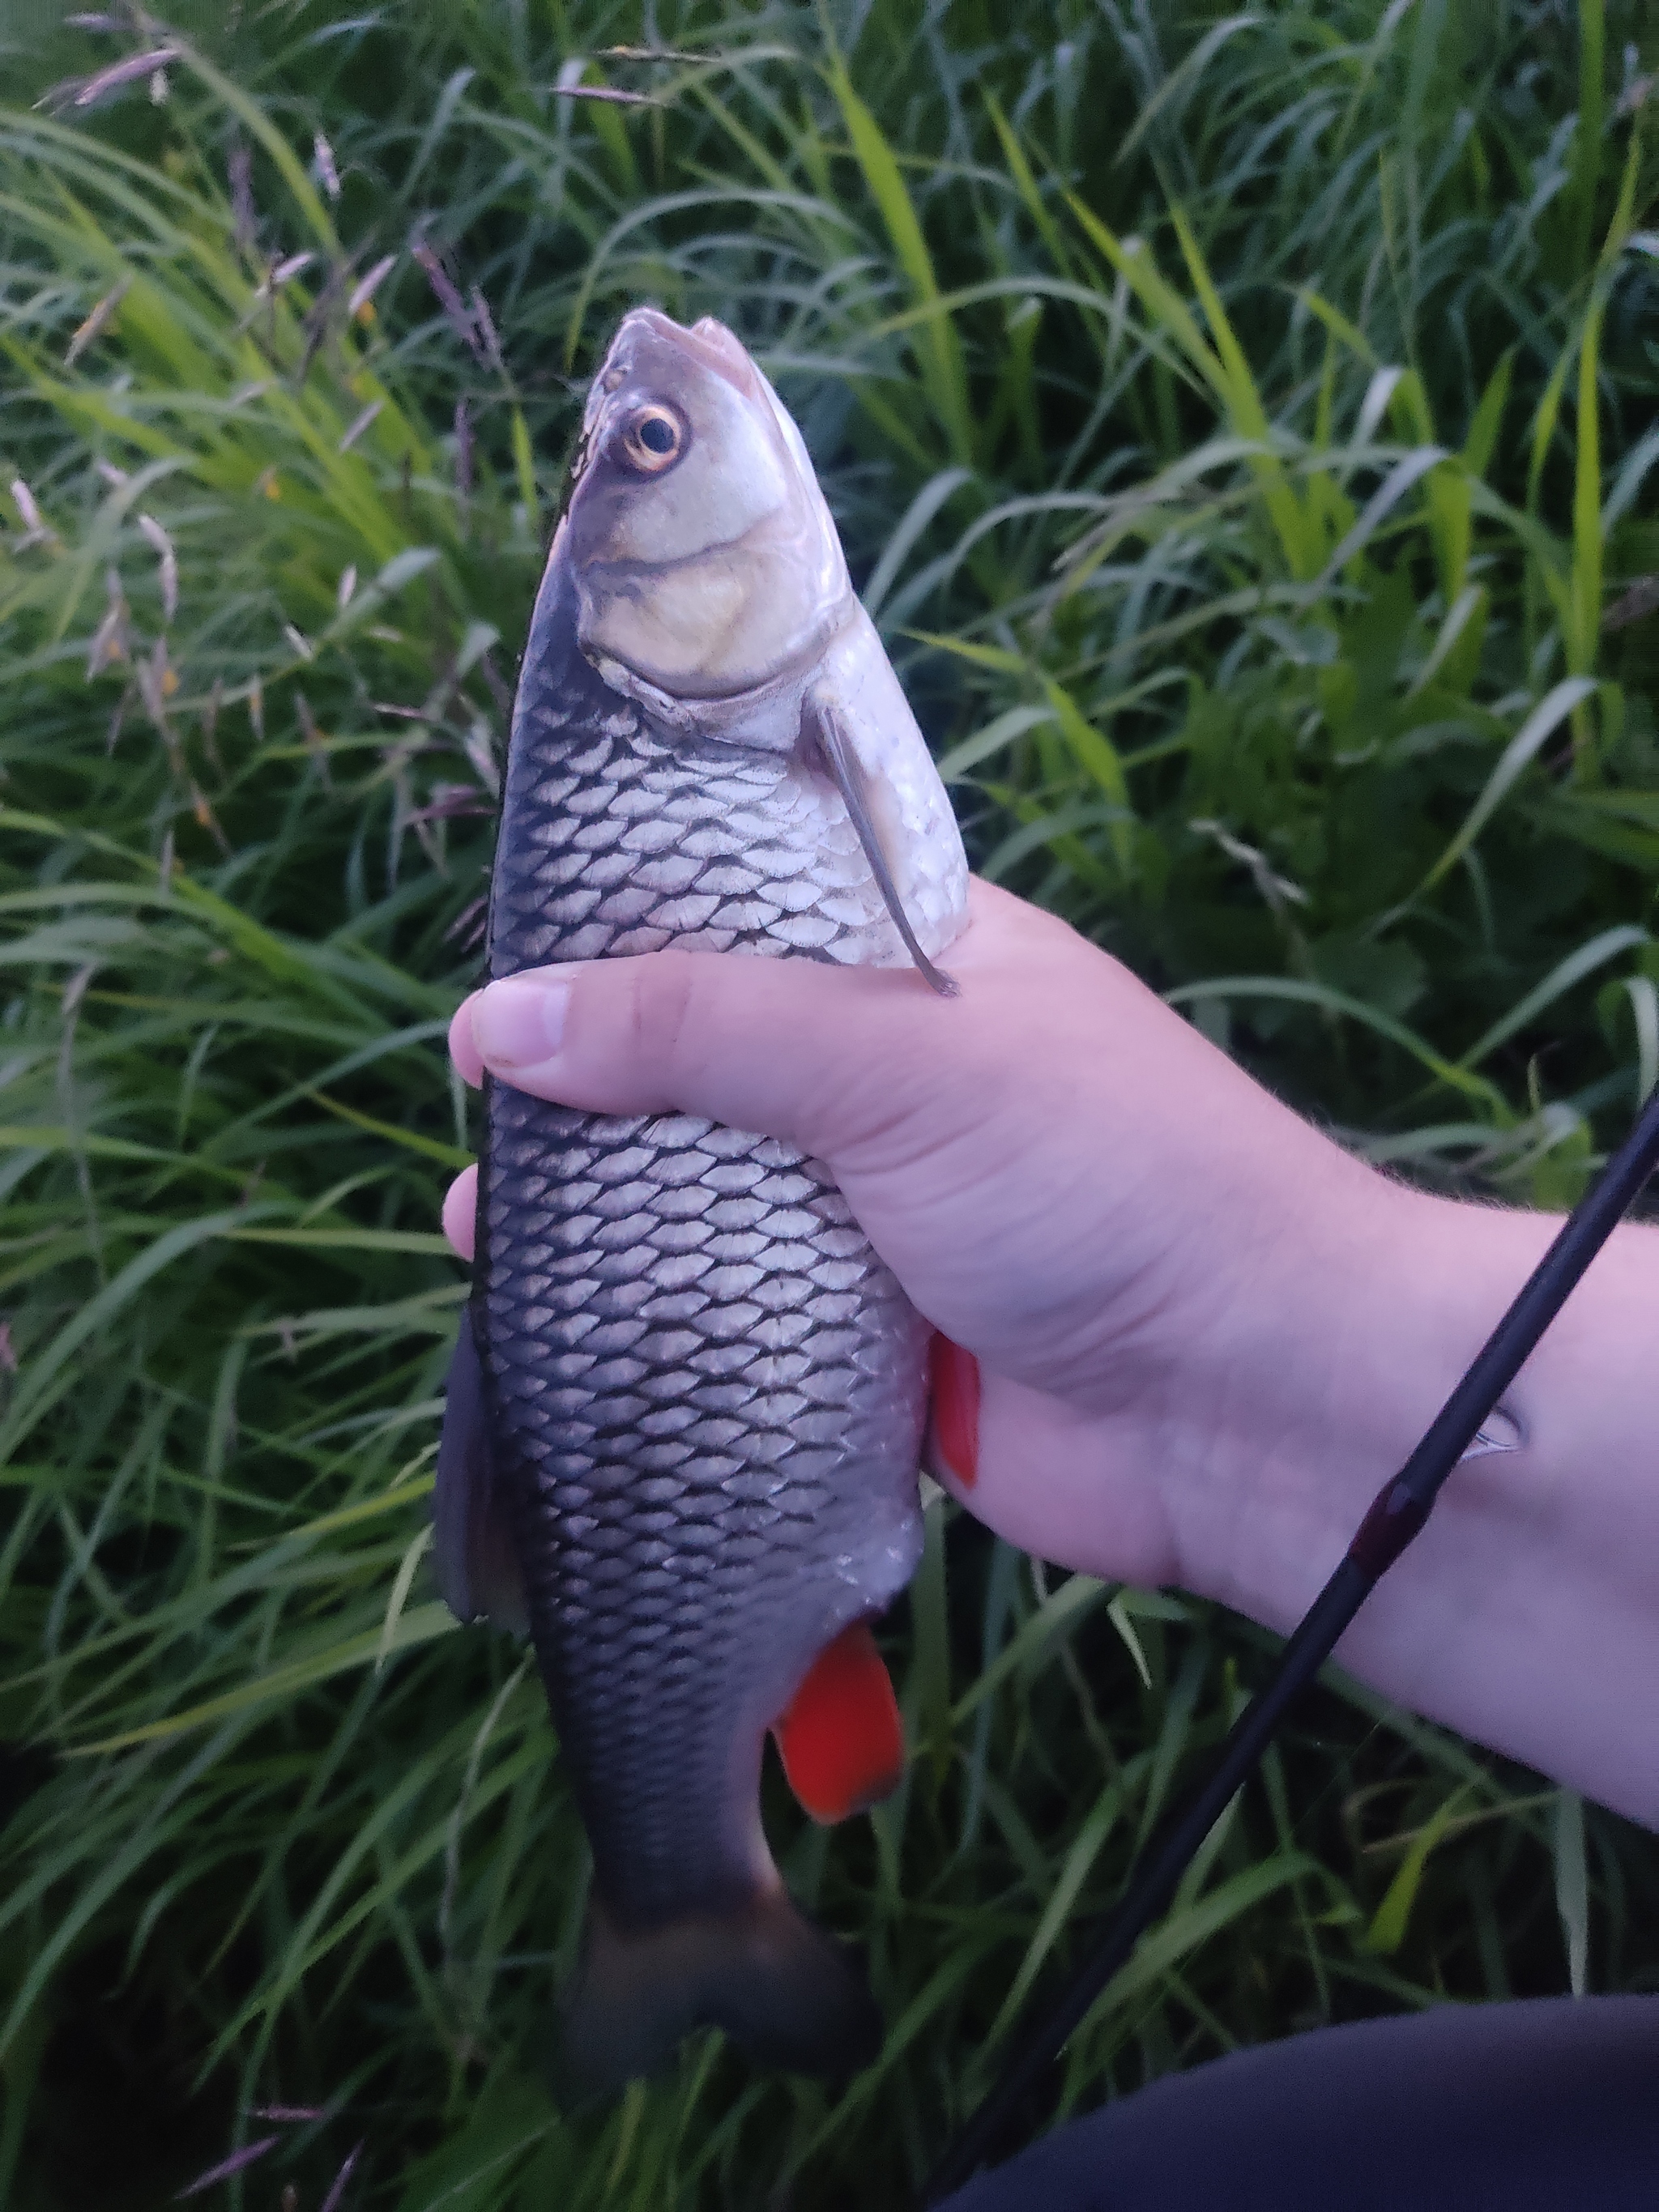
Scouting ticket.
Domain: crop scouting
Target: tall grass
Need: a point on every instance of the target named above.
(1243, 426)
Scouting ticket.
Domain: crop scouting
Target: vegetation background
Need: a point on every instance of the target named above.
(1242, 425)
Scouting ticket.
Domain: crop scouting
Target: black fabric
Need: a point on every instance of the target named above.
(1549, 2106)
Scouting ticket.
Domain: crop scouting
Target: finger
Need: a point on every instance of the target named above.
(462, 1050)
(1055, 1482)
(954, 1390)
(791, 1048)
(460, 1213)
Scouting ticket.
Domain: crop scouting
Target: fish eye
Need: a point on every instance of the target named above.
(653, 440)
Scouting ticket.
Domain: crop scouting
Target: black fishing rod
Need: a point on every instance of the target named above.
(1398, 1512)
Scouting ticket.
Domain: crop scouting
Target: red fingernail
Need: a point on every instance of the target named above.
(953, 1379)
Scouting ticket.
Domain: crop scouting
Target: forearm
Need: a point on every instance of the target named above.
(1527, 1612)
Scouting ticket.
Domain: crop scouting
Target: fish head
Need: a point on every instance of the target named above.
(705, 560)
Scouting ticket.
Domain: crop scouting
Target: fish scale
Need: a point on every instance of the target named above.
(685, 1419)
(672, 1438)
(667, 1298)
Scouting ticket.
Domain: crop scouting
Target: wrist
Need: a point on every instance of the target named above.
(1526, 1613)
(1346, 1347)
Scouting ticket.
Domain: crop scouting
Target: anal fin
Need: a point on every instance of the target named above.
(477, 1558)
(841, 1738)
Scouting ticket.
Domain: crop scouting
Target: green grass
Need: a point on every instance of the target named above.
(1244, 427)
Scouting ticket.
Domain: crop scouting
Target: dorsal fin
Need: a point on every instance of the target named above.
(478, 1558)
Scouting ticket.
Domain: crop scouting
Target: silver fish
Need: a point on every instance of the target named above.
(683, 1425)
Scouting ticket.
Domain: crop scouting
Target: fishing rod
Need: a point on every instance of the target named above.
(1395, 1517)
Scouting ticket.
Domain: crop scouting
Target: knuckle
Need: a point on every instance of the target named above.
(660, 999)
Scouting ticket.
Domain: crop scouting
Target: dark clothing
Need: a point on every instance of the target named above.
(1549, 2105)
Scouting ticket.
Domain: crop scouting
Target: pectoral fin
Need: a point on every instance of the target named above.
(478, 1558)
(824, 733)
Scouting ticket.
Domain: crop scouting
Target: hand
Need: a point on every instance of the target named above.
(1068, 1179)
(1206, 1334)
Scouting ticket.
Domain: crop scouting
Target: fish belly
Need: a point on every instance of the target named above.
(703, 1392)
(708, 1399)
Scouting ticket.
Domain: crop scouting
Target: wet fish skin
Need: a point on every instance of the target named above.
(692, 1348)
(702, 1391)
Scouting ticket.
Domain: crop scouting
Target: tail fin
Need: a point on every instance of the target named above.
(785, 1992)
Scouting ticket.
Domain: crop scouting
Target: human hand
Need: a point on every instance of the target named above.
(1206, 1333)
(1070, 1182)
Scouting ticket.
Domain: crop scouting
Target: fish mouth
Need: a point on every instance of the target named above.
(708, 343)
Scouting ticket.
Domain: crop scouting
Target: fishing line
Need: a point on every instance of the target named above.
(1395, 1517)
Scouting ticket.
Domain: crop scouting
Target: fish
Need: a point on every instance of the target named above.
(684, 1420)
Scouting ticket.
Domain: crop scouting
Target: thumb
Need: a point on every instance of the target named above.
(817, 1055)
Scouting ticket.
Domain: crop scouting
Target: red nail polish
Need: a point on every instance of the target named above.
(953, 1379)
